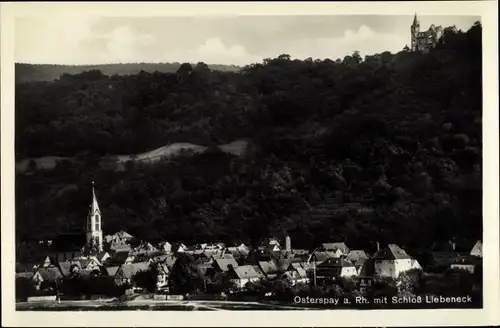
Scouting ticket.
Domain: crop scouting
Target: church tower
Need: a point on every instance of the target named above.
(415, 30)
(93, 231)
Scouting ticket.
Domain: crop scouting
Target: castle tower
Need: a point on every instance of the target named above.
(415, 30)
(93, 231)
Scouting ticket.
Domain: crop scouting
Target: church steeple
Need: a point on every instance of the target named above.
(94, 207)
(94, 224)
(415, 20)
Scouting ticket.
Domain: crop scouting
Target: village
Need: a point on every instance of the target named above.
(139, 267)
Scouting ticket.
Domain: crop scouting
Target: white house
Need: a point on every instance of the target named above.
(463, 266)
(165, 247)
(393, 260)
(241, 275)
(335, 268)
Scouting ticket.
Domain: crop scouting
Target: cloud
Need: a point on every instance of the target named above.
(125, 45)
(364, 39)
(213, 51)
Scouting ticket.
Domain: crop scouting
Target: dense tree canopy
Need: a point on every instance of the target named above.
(387, 148)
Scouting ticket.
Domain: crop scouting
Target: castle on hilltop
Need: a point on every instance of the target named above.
(424, 41)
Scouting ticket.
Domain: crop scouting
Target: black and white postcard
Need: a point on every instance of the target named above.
(290, 164)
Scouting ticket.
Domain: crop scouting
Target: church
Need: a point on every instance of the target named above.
(93, 231)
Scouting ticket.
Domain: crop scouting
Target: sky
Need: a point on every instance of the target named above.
(238, 40)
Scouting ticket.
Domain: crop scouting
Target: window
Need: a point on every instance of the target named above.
(89, 223)
(97, 222)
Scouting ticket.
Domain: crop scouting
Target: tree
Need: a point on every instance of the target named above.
(24, 288)
(184, 277)
(146, 279)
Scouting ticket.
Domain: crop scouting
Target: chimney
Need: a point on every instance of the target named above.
(288, 244)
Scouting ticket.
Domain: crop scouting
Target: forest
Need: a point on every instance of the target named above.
(383, 148)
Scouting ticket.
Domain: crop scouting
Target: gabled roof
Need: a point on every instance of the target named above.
(112, 270)
(202, 269)
(50, 273)
(246, 272)
(391, 252)
(65, 268)
(163, 268)
(94, 206)
(334, 246)
(283, 264)
(170, 261)
(321, 256)
(119, 257)
(224, 264)
(223, 256)
(355, 255)
(268, 267)
(337, 263)
(478, 248)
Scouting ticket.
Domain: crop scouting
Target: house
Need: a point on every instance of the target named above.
(141, 257)
(242, 275)
(162, 274)
(120, 247)
(467, 266)
(355, 255)
(88, 264)
(335, 268)
(165, 247)
(239, 254)
(268, 249)
(296, 274)
(119, 237)
(25, 275)
(319, 257)
(47, 262)
(477, 250)
(444, 258)
(269, 268)
(111, 271)
(334, 247)
(126, 272)
(65, 268)
(223, 264)
(465, 263)
(26, 267)
(223, 255)
(102, 256)
(393, 260)
(47, 274)
(358, 258)
(170, 261)
(365, 284)
(181, 248)
(117, 259)
(217, 247)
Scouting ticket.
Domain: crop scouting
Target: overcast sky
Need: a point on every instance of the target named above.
(213, 40)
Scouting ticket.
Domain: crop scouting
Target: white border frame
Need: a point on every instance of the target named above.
(489, 315)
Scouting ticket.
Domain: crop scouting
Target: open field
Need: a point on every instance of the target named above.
(237, 148)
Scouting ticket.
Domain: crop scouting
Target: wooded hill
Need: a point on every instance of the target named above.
(386, 148)
(36, 72)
